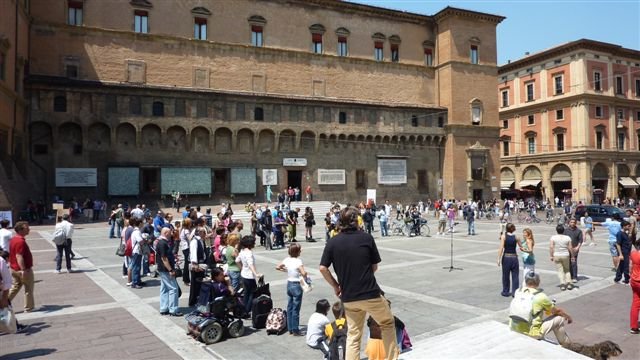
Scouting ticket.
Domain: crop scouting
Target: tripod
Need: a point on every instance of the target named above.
(451, 267)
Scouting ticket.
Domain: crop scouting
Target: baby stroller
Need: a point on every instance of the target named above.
(214, 316)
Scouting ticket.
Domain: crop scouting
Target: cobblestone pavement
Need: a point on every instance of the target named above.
(92, 314)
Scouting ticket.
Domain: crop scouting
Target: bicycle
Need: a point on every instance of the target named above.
(397, 227)
(489, 215)
(522, 216)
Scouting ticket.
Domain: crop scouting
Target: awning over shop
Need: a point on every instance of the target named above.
(506, 184)
(628, 183)
(525, 183)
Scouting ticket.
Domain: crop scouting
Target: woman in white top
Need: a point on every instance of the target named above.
(185, 233)
(248, 271)
(559, 250)
(295, 272)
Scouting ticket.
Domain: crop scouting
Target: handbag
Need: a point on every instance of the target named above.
(121, 249)
(178, 272)
(8, 323)
(306, 286)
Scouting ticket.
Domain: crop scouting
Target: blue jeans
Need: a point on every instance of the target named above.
(294, 292)
(136, 263)
(234, 276)
(113, 228)
(250, 286)
(168, 293)
(471, 229)
(383, 228)
(145, 265)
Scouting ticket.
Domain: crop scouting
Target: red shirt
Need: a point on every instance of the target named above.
(635, 269)
(18, 245)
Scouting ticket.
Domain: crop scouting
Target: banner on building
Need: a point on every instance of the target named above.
(392, 171)
(123, 181)
(243, 181)
(269, 177)
(190, 181)
(331, 177)
(76, 177)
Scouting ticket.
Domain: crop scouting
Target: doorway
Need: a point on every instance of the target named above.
(220, 181)
(477, 194)
(149, 178)
(294, 178)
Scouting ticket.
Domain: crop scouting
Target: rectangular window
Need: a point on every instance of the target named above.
(378, 54)
(74, 13)
(135, 107)
(316, 40)
(599, 138)
(474, 54)
(141, 22)
(560, 142)
(620, 113)
(621, 141)
(343, 49)
(505, 148)
(111, 104)
(597, 82)
(200, 28)
(531, 120)
(531, 143)
(530, 94)
(201, 109)
(505, 98)
(422, 180)
(598, 111)
(71, 71)
(557, 81)
(395, 53)
(428, 57)
(619, 87)
(342, 117)
(256, 36)
(361, 179)
(560, 114)
(414, 121)
(637, 87)
(505, 124)
(180, 108)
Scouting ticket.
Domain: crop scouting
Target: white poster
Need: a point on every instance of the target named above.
(331, 177)
(371, 195)
(76, 177)
(7, 215)
(269, 177)
(392, 171)
(294, 162)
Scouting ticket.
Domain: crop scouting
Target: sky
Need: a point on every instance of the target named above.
(536, 25)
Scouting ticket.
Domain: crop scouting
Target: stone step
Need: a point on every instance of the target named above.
(486, 340)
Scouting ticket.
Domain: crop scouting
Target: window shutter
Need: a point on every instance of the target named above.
(75, 4)
(428, 51)
(316, 38)
(140, 13)
(394, 47)
(379, 45)
(256, 28)
(200, 21)
(342, 39)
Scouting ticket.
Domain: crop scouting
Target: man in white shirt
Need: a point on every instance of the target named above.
(67, 227)
(137, 213)
(5, 234)
(136, 256)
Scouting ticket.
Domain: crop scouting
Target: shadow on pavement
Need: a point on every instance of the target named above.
(28, 354)
(52, 308)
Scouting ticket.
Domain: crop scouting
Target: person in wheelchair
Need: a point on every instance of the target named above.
(216, 297)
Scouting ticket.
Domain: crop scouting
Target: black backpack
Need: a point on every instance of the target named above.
(338, 343)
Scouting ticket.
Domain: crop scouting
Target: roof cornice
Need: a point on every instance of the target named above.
(451, 11)
(346, 6)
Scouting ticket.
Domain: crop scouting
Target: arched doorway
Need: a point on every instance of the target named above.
(599, 182)
(628, 185)
(531, 183)
(561, 182)
(507, 183)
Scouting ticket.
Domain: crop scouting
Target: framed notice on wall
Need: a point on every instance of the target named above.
(124, 181)
(392, 171)
(76, 177)
(243, 181)
(269, 177)
(185, 180)
(331, 177)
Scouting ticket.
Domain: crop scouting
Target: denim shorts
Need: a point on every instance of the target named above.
(613, 249)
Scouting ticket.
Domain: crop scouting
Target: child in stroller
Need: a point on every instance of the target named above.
(215, 311)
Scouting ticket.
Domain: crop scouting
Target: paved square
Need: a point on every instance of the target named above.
(429, 299)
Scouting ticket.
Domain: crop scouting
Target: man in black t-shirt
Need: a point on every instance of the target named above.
(355, 258)
(166, 268)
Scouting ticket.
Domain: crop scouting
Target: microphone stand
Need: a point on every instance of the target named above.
(451, 267)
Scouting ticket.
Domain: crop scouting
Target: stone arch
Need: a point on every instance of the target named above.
(244, 141)
(324, 140)
(70, 138)
(151, 136)
(386, 140)
(623, 170)
(223, 140)
(600, 172)
(394, 139)
(99, 136)
(351, 141)
(532, 172)
(41, 137)
(361, 141)
(420, 140)
(560, 172)
(200, 138)
(507, 178)
(266, 141)
(308, 141)
(125, 136)
(287, 141)
(176, 138)
(342, 140)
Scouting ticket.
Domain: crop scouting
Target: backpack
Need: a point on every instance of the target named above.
(521, 308)
(59, 236)
(276, 321)
(128, 245)
(338, 343)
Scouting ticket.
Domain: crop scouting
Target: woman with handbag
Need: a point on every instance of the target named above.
(526, 249)
(295, 275)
